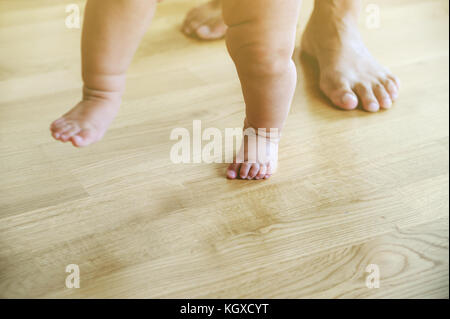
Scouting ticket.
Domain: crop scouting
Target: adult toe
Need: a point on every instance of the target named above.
(212, 29)
(339, 92)
(392, 88)
(367, 97)
(382, 96)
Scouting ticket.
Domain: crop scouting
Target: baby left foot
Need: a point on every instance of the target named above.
(206, 21)
(86, 123)
(258, 157)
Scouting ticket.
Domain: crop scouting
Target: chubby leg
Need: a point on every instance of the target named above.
(348, 73)
(261, 40)
(111, 35)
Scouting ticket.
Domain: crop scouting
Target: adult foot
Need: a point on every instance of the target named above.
(205, 21)
(349, 75)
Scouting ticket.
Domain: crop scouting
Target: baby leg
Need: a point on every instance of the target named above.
(261, 41)
(111, 34)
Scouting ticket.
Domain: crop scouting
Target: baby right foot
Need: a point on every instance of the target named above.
(258, 156)
(88, 121)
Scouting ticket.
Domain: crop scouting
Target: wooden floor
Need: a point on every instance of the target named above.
(353, 188)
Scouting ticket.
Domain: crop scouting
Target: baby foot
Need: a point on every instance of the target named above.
(87, 122)
(258, 156)
(348, 72)
(205, 21)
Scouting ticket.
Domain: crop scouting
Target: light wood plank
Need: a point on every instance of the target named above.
(353, 188)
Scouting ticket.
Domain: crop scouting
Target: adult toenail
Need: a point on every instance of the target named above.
(203, 30)
(373, 107)
(349, 98)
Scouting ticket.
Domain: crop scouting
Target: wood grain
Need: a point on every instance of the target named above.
(353, 188)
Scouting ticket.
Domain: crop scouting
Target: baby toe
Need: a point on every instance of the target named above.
(253, 171)
(70, 132)
(59, 132)
(245, 168)
(269, 171)
(232, 171)
(57, 123)
(212, 29)
(262, 172)
(57, 128)
(83, 138)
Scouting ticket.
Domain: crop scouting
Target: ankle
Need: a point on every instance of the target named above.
(100, 86)
(272, 134)
(97, 95)
(331, 23)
